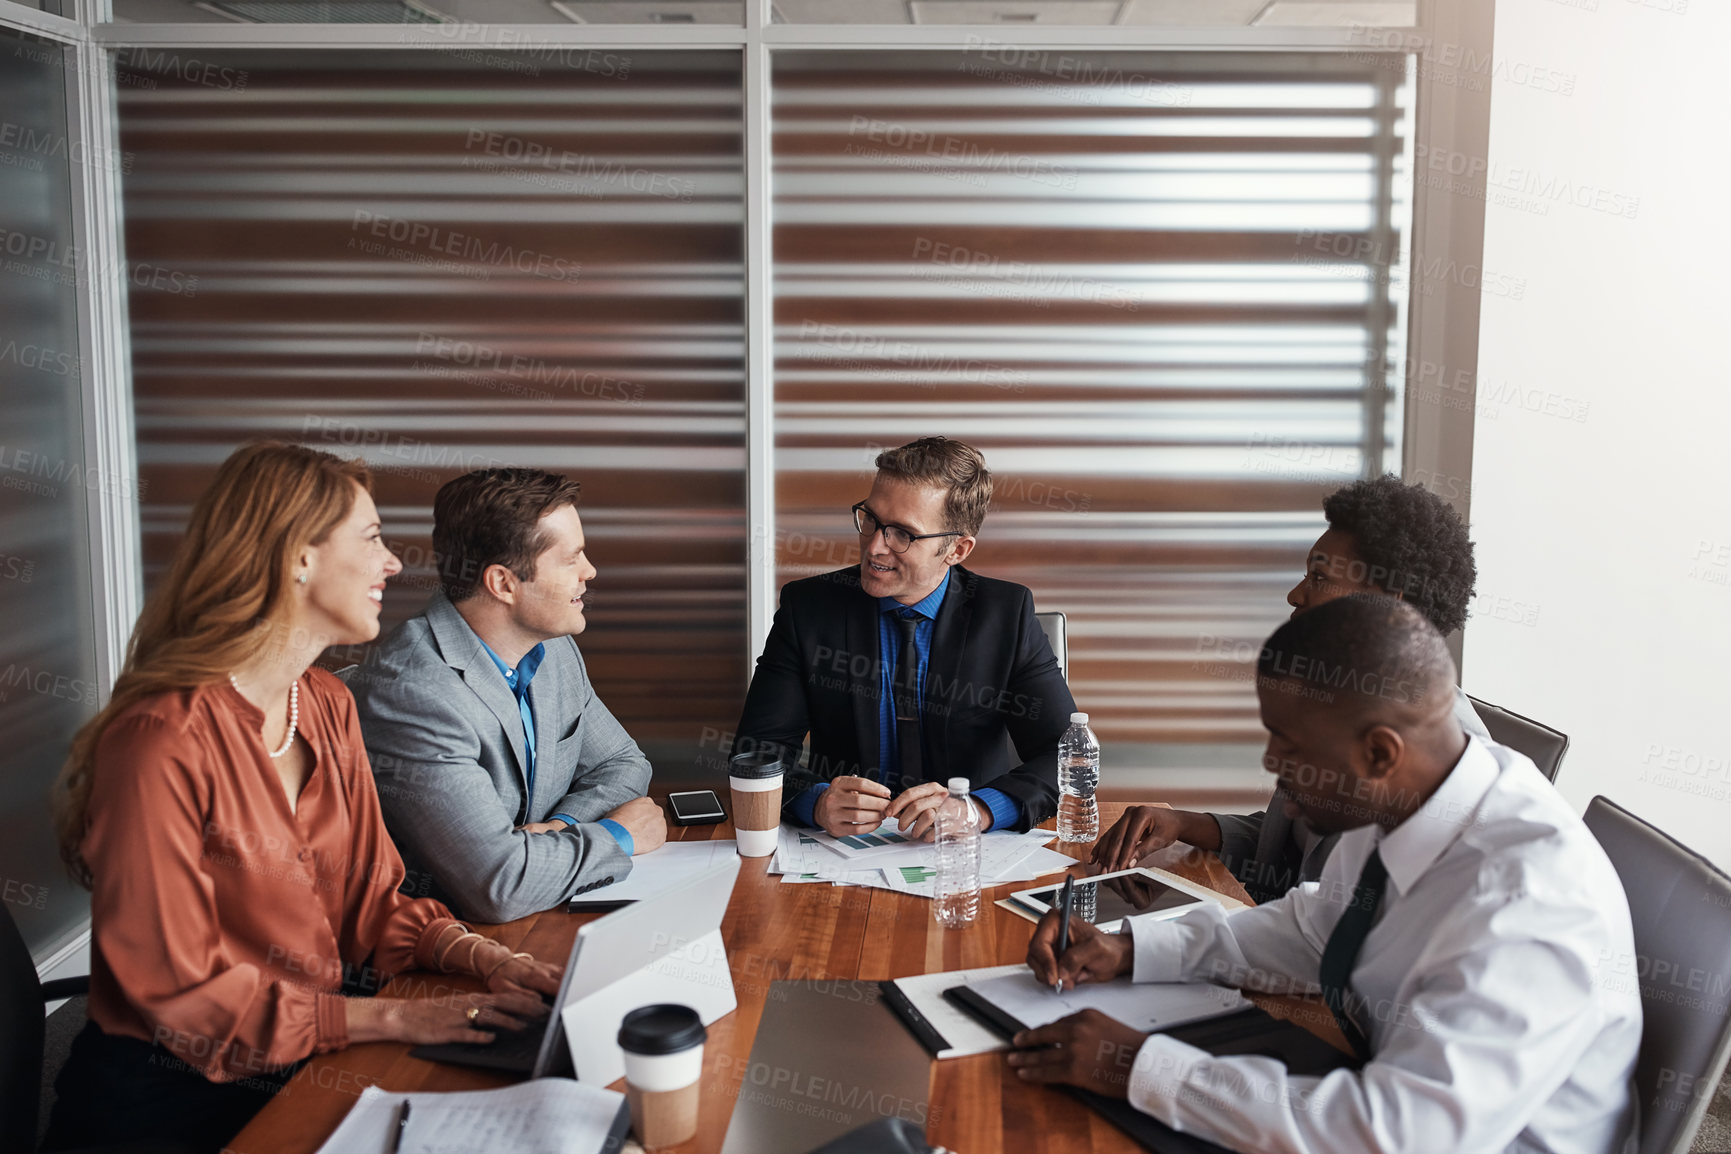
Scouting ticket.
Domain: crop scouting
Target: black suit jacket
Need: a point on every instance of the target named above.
(992, 708)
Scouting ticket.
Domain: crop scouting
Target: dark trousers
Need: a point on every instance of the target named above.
(116, 1089)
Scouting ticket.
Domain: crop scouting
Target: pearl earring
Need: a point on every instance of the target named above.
(301, 580)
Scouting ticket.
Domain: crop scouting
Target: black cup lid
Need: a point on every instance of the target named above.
(758, 763)
(667, 1028)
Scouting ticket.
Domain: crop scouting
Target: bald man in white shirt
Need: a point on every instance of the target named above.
(1465, 932)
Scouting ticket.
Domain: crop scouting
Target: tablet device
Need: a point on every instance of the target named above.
(627, 939)
(1108, 899)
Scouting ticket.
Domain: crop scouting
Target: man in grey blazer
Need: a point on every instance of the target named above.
(501, 774)
(1383, 537)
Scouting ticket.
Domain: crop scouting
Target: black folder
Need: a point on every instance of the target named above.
(1251, 1031)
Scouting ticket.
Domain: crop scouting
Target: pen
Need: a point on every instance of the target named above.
(1064, 906)
(402, 1125)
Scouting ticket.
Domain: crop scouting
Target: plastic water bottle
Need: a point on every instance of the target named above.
(1078, 778)
(957, 894)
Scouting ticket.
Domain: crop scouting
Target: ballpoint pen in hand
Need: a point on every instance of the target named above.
(1064, 905)
(402, 1126)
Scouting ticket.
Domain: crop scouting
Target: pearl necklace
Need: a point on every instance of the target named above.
(294, 712)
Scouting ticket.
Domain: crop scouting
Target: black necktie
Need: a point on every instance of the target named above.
(906, 684)
(1341, 954)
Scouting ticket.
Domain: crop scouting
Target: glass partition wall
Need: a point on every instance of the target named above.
(1008, 19)
(1120, 275)
(1113, 287)
(48, 671)
(710, 256)
(442, 263)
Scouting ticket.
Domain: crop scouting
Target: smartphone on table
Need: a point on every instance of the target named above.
(696, 807)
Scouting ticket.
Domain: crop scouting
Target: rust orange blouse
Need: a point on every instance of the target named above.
(220, 919)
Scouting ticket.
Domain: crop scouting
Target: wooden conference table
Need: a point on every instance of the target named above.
(774, 932)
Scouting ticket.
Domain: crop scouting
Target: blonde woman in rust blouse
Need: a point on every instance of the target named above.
(223, 814)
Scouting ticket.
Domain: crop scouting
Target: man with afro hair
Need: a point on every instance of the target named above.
(1389, 537)
(1385, 537)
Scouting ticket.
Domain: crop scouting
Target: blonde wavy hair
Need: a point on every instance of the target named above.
(225, 596)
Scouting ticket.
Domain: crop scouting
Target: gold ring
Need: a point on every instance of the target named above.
(474, 1014)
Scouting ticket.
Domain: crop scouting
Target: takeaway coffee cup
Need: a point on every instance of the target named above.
(756, 782)
(663, 1047)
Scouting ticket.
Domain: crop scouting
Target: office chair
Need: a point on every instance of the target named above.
(22, 1002)
(1681, 909)
(1544, 745)
(23, 1029)
(1054, 626)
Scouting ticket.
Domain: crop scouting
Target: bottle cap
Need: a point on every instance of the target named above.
(958, 785)
(1078, 719)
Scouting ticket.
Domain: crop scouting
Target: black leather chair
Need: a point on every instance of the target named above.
(1051, 624)
(1054, 626)
(1680, 905)
(1538, 741)
(23, 999)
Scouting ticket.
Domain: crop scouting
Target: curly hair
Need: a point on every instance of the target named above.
(1412, 543)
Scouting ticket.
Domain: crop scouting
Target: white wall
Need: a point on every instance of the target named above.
(1604, 543)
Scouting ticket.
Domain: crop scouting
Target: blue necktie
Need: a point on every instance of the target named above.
(907, 700)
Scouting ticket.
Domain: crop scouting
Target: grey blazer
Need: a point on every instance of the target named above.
(1270, 853)
(446, 744)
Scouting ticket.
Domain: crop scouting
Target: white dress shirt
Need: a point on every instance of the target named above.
(1487, 987)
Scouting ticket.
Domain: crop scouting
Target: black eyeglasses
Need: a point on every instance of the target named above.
(897, 538)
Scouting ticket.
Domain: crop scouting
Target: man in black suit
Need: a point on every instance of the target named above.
(985, 700)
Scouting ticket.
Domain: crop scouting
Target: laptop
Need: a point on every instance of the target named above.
(606, 950)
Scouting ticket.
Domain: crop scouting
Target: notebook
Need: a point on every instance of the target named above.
(948, 1030)
(1251, 1031)
(545, 1116)
(1147, 1007)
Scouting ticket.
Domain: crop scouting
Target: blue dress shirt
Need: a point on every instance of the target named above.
(518, 680)
(1005, 811)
